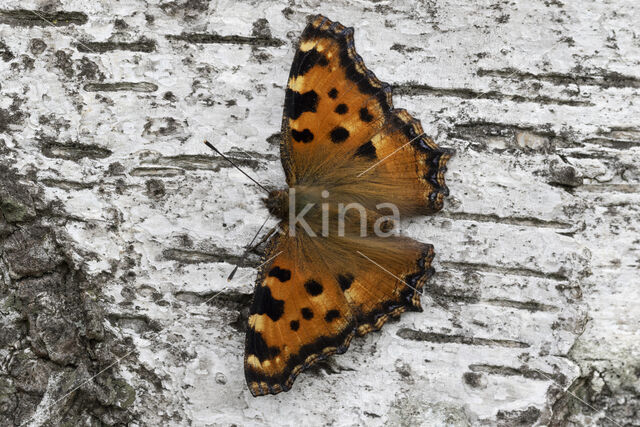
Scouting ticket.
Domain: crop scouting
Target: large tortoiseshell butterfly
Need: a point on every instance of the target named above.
(351, 159)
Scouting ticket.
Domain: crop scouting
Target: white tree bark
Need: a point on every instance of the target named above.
(531, 318)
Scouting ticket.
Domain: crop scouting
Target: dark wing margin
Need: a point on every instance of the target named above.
(310, 354)
(408, 298)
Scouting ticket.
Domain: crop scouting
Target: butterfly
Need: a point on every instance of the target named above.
(333, 273)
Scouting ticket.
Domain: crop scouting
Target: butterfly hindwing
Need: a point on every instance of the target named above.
(411, 171)
(380, 277)
(317, 293)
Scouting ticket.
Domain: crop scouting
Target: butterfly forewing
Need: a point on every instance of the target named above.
(333, 105)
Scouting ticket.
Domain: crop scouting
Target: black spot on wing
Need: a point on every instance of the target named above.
(307, 60)
(265, 303)
(331, 315)
(338, 135)
(294, 324)
(257, 346)
(341, 109)
(367, 150)
(297, 103)
(365, 115)
(333, 93)
(345, 281)
(281, 274)
(305, 136)
(307, 313)
(313, 288)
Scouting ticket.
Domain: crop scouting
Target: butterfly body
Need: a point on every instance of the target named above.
(353, 165)
(277, 203)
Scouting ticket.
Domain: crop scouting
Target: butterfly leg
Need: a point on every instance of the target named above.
(264, 239)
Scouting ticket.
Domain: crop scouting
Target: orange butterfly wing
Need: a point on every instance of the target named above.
(340, 132)
(296, 318)
(332, 101)
(336, 110)
(314, 294)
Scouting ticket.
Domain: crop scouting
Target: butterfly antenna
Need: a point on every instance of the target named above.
(246, 251)
(208, 144)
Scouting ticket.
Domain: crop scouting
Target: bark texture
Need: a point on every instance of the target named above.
(118, 228)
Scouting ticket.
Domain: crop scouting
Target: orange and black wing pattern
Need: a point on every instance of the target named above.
(296, 319)
(339, 115)
(331, 102)
(315, 294)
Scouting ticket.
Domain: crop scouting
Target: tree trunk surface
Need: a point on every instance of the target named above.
(119, 227)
